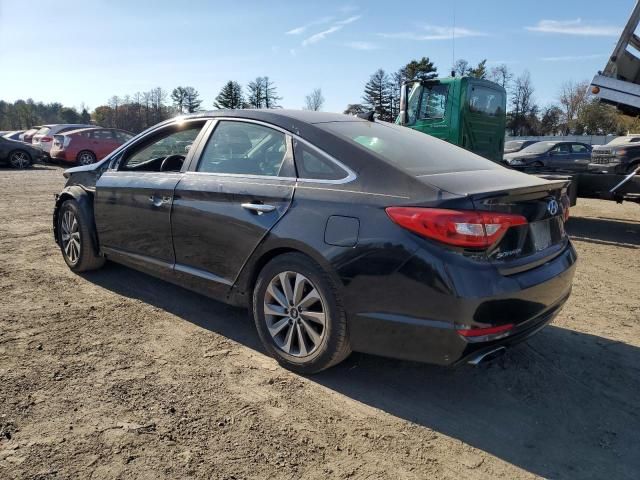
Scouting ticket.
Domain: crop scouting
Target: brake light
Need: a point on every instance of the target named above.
(45, 139)
(481, 332)
(461, 228)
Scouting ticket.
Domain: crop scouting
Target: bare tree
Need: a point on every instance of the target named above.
(461, 67)
(501, 75)
(523, 107)
(314, 101)
(573, 98)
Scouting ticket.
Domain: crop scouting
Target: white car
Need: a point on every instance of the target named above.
(43, 139)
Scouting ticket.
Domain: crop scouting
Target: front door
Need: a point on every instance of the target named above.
(560, 156)
(134, 198)
(228, 201)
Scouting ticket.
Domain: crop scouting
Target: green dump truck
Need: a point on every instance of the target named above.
(465, 111)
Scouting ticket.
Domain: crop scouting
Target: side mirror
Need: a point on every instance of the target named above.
(404, 114)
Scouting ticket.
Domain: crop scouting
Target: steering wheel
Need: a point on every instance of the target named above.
(172, 163)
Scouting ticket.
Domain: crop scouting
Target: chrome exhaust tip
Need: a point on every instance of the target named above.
(487, 356)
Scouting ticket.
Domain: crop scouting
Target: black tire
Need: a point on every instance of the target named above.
(20, 159)
(80, 257)
(334, 346)
(85, 157)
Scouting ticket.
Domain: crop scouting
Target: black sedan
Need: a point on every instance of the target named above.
(338, 233)
(552, 155)
(18, 154)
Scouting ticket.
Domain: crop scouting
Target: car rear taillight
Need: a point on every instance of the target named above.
(483, 331)
(45, 139)
(461, 228)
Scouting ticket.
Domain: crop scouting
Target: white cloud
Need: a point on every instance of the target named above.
(432, 32)
(303, 28)
(574, 27)
(338, 25)
(357, 45)
(573, 58)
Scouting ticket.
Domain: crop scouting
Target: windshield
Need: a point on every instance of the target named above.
(539, 147)
(412, 151)
(427, 102)
(513, 144)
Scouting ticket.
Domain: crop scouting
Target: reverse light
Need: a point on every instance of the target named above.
(461, 228)
(482, 332)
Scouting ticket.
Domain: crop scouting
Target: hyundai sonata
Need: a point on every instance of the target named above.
(339, 234)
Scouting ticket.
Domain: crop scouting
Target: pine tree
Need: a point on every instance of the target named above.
(192, 100)
(230, 96)
(422, 69)
(480, 71)
(378, 95)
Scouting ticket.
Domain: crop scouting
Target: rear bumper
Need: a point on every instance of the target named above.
(61, 156)
(530, 300)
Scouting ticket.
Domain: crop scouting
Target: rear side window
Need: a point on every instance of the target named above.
(579, 148)
(412, 151)
(312, 165)
(245, 149)
(486, 101)
(122, 136)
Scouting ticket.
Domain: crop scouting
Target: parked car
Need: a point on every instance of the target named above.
(513, 146)
(27, 136)
(552, 155)
(43, 139)
(18, 154)
(14, 135)
(87, 145)
(620, 155)
(339, 233)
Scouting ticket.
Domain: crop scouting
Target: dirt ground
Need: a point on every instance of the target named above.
(114, 374)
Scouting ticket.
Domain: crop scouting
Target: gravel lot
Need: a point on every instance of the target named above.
(114, 374)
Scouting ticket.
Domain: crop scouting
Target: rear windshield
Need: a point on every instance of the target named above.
(43, 131)
(412, 151)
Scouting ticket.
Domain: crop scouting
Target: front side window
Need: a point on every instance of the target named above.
(101, 134)
(562, 148)
(244, 148)
(122, 136)
(486, 100)
(173, 141)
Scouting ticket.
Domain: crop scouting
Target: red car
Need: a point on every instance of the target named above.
(87, 145)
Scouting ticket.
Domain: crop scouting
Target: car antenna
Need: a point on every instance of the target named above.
(369, 116)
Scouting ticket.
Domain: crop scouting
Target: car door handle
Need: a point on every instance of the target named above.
(259, 208)
(158, 201)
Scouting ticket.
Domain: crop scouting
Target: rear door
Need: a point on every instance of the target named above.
(240, 183)
(133, 198)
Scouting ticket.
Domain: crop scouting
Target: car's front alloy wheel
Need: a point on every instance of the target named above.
(74, 238)
(20, 159)
(298, 314)
(70, 236)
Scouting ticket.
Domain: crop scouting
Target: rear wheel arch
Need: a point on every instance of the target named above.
(242, 292)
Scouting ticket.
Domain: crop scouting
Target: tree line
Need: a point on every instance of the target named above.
(575, 111)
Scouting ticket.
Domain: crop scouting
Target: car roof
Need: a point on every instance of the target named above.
(307, 116)
(83, 129)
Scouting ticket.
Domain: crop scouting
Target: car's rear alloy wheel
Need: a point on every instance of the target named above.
(86, 158)
(298, 314)
(295, 314)
(20, 159)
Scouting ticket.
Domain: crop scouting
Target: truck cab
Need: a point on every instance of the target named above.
(465, 111)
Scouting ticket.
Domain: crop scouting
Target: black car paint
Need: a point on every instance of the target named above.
(403, 294)
(8, 146)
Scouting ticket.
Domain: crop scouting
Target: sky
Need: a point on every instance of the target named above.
(84, 52)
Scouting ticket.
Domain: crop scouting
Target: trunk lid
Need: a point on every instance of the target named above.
(540, 201)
